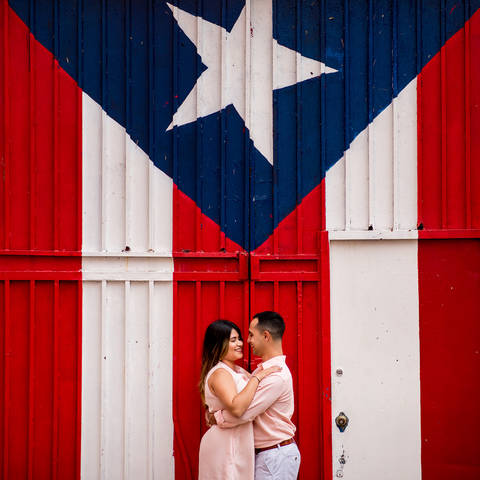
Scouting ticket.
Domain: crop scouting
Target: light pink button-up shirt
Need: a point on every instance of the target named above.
(271, 409)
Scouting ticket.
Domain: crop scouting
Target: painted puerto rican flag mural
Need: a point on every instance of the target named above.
(166, 164)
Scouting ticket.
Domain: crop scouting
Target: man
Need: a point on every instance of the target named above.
(276, 454)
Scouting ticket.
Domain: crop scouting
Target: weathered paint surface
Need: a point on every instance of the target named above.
(228, 136)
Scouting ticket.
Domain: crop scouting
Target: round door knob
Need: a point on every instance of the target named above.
(341, 421)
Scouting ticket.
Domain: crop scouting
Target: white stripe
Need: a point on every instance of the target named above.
(375, 342)
(127, 427)
(109, 216)
(375, 182)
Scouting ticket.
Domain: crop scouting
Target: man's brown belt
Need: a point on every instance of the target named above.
(281, 444)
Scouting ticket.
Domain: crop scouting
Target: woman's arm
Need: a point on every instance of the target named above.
(223, 386)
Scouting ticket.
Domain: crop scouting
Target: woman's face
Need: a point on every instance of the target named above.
(235, 347)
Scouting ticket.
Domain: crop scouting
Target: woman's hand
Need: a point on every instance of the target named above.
(210, 419)
(261, 374)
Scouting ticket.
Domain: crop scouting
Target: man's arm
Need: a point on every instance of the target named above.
(267, 393)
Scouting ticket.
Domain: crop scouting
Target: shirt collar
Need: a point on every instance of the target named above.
(278, 360)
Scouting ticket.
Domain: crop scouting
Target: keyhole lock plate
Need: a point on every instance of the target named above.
(341, 421)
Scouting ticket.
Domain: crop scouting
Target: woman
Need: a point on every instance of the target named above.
(227, 454)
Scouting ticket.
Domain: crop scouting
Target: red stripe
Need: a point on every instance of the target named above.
(449, 288)
(31, 382)
(468, 140)
(5, 106)
(449, 208)
(40, 259)
(195, 232)
(6, 373)
(447, 101)
(312, 212)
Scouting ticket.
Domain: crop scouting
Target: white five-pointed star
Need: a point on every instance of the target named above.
(248, 55)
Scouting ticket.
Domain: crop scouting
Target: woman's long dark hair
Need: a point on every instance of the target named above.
(215, 347)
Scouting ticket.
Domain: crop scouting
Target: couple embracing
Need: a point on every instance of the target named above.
(251, 434)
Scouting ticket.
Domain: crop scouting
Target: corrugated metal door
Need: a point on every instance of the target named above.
(208, 286)
(297, 285)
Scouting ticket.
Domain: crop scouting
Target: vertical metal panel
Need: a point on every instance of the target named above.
(448, 197)
(31, 379)
(372, 190)
(40, 433)
(107, 177)
(205, 288)
(293, 285)
(211, 268)
(39, 259)
(5, 304)
(448, 287)
(289, 269)
(468, 126)
(127, 428)
(5, 103)
(473, 147)
(375, 346)
(210, 282)
(41, 136)
(217, 195)
(127, 364)
(374, 187)
(127, 431)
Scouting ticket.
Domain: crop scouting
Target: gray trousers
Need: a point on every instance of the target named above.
(280, 463)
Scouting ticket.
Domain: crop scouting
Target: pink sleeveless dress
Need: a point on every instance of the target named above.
(226, 453)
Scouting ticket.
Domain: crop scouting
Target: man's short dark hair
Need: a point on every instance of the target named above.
(272, 322)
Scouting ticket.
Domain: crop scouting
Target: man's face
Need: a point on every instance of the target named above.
(256, 338)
